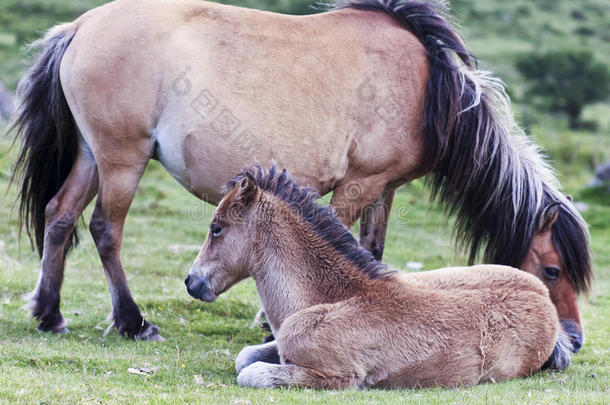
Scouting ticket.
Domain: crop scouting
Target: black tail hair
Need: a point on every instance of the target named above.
(48, 136)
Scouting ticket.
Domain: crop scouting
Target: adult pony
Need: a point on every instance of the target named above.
(342, 321)
(358, 101)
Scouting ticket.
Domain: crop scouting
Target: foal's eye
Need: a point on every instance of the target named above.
(216, 229)
(551, 273)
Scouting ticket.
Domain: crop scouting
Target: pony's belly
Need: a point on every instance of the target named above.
(187, 162)
(204, 151)
(202, 160)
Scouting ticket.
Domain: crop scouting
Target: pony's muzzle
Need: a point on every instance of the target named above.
(198, 287)
(575, 332)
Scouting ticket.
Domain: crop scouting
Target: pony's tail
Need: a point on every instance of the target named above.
(45, 129)
(562, 353)
(478, 168)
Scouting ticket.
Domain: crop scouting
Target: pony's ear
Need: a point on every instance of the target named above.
(548, 216)
(247, 189)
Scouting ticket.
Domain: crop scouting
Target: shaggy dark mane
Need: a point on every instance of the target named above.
(484, 168)
(322, 218)
(571, 239)
(510, 247)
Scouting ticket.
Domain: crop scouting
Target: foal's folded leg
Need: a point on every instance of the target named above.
(266, 353)
(267, 375)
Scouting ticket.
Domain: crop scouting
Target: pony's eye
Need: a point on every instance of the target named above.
(216, 229)
(551, 273)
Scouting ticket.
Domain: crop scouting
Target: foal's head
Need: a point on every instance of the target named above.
(266, 214)
(559, 256)
(225, 256)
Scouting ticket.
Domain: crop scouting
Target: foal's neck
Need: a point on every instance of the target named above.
(296, 269)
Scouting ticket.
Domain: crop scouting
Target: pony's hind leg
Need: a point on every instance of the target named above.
(366, 198)
(61, 215)
(374, 223)
(118, 184)
(268, 375)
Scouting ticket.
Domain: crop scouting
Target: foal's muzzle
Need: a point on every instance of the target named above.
(199, 287)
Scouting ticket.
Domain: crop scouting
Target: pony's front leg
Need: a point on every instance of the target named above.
(117, 187)
(267, 375)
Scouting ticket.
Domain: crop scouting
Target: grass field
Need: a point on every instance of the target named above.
(195, 364)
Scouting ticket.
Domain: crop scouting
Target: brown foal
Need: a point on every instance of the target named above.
(343, 321)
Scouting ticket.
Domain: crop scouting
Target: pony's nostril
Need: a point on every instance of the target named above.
(577, 342)
(574, 331)
(187, 280)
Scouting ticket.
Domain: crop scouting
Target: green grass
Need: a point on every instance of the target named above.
(195, 363)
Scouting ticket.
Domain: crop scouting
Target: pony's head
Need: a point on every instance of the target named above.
(225, 256)
(559, 256)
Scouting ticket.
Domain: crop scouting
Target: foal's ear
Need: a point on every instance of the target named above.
(548, 216)
(247, 190)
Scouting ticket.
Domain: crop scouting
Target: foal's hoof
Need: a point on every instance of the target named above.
(245, 357)
(149, 332)
(257, 375)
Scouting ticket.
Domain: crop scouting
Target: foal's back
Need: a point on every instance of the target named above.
(497, 323)
(450, 327)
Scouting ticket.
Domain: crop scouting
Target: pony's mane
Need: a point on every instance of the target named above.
(571, 239)
(322, 218)
(484, 168)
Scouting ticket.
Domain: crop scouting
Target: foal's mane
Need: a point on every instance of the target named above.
(322, 218)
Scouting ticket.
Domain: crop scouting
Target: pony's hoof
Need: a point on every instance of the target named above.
(58, 330)
(149, 332)
(53, 325)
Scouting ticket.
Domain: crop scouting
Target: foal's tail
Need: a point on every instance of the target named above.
(562, 353)
(482, 165)
(47, 133)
